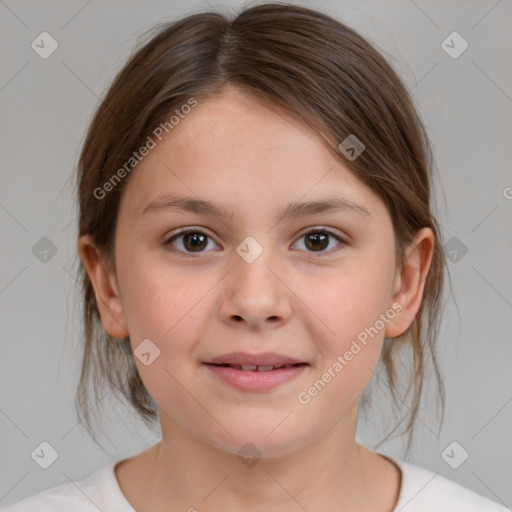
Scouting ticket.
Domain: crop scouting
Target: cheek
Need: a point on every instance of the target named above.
(351, 301)
(347, 358)
(165, 304)
(170, 319)
(160, 299)
(352, 309)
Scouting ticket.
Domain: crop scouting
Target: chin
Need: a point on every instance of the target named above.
(259, 439)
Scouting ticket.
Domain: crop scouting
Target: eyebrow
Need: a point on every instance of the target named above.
(293, 209)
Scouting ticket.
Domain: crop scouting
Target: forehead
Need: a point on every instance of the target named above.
(235, 149)
(235, 126)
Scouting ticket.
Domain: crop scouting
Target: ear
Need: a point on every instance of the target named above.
(410, 282)
(105, 288)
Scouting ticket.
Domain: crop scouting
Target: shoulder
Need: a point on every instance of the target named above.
(98, 491)
(423, 490)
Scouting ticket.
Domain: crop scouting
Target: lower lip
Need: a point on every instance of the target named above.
(256, 381)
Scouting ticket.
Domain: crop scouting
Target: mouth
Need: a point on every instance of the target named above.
(247, 360)
(257, 368)
(255, 372)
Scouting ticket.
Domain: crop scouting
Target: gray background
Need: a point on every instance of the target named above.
(46, 104)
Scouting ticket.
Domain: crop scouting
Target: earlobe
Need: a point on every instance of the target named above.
(410, 282)
(105, 288)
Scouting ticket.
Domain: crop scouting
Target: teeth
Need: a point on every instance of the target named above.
(253, 368)
(265, 368)
(258, 368)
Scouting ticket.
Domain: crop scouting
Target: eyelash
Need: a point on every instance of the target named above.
(187, 231)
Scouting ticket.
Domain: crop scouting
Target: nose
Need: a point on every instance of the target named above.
(255, 294)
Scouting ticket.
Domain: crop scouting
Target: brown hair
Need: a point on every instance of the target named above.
(297, 61)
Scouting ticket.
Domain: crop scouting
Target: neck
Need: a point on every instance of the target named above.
(334, 472)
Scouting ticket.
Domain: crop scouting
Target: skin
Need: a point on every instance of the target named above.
(292, 300)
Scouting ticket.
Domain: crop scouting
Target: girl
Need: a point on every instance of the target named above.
(256, 237)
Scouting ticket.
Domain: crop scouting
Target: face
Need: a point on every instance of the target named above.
(314, 287)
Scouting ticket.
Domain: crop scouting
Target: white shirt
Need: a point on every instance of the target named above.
(421, 491)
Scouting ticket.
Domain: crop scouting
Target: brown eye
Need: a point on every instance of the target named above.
(195, 241)
(319, 240)
(192, 241)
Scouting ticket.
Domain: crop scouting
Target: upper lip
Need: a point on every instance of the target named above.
(244, 358)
